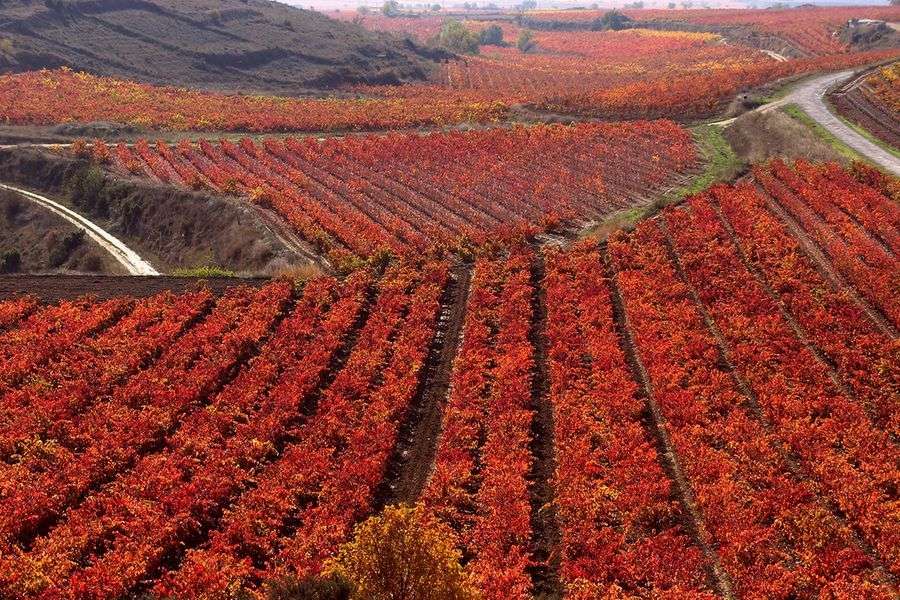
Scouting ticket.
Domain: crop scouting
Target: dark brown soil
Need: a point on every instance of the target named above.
(235, 45)
(410, 464)
(544, 524)
(35, 240)
(53, 288)
(171, 228)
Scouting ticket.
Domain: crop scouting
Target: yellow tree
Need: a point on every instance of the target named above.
(403, 554)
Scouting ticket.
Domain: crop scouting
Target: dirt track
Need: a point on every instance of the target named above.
(810, 97)
(128, 258)
(411, 465)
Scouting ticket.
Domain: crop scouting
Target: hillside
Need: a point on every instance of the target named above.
(224, 44)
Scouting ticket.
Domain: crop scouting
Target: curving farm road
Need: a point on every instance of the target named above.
(810, 96)
(127, 257)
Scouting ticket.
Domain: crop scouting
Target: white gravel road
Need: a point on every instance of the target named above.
(128, 258)
(810, 96)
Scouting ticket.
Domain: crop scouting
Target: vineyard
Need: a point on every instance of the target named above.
(631, 74)
(411, 194)
(449, 302)
(64, 96)
(717, 391)
(810, 30)
(875, 103)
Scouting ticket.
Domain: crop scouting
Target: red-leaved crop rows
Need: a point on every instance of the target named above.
(411, 193)
(722, 410)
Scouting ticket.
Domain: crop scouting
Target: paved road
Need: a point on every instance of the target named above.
(810, 97)
(128, 258)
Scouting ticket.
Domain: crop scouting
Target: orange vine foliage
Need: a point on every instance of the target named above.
(61, 96)
(630, 74)
(810, 29)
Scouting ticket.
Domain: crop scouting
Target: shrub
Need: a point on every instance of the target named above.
(403, 553)
(85, 186)
(10, 262)
(60, 251)
(12, 207)
(492, 36)
(613, 19)
(456, 37)
(6, 47)
(204, 272)
(526, 42)
(391, 8)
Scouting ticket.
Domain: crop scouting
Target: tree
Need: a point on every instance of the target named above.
(526, 42)
(402, 553)
(672, 6)
(612, 19)
(528, 4)
(10, 262)
(363, 10)
(492, 36)
(456, 37)
(391, 8)
(435, 8)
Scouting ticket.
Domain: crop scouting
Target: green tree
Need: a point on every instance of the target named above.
(492, 36)
(456, 37)
(10, 262)
(403, 553)
(612, 19)
(391, 8)
(526, 42)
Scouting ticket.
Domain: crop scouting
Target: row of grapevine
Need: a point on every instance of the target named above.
(622, 529)
(829, 433)
(260, 431)
(810, 29)
(862, 355)
(872, 268)
(873, 103)
(90, 369)
(689, 84)
(478, 484)
(738, 469)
